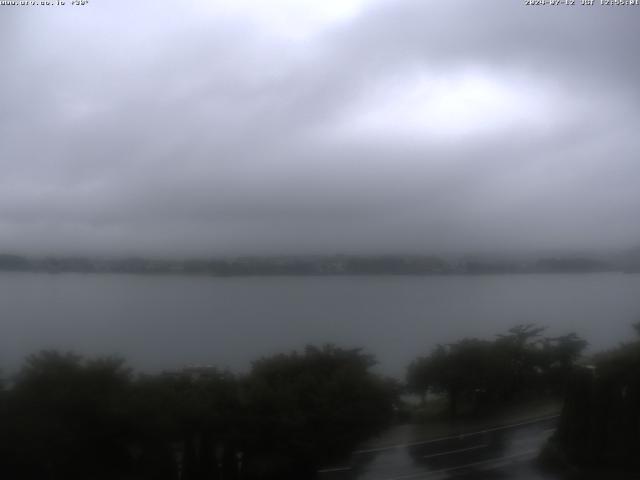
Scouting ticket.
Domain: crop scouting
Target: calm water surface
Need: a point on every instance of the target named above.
(167, 321)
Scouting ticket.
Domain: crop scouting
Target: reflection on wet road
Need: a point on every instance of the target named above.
(502, 452)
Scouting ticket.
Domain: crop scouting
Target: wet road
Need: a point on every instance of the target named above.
(503, 452)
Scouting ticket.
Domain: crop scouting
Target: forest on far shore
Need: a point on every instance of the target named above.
(324, 265)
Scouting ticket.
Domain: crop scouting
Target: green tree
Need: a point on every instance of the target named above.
(310, 408)
(482, 373)
(66, 417)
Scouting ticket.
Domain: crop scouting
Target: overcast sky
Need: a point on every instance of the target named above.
(320, 126)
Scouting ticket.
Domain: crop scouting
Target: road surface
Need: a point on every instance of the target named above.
(505, 452)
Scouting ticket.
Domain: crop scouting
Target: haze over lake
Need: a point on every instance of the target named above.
(166, 322)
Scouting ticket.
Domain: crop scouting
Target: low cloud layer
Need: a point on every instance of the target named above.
(305, 127)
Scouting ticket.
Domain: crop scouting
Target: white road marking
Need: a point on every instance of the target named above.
(498, 462)
(455, 451)
(336, 469)
(452, 437)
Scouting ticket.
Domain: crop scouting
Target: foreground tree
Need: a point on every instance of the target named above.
(65, 418)
(482, 374)
(310, 408)
(599, 424)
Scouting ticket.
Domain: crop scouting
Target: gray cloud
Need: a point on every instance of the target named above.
(153, 129)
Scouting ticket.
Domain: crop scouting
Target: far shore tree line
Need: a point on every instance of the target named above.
(307, 265)
(64, 416)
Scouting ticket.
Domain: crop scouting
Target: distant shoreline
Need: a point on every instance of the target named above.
(313, 275)
(314, 266)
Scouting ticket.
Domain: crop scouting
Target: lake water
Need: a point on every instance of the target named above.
(159, 322)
